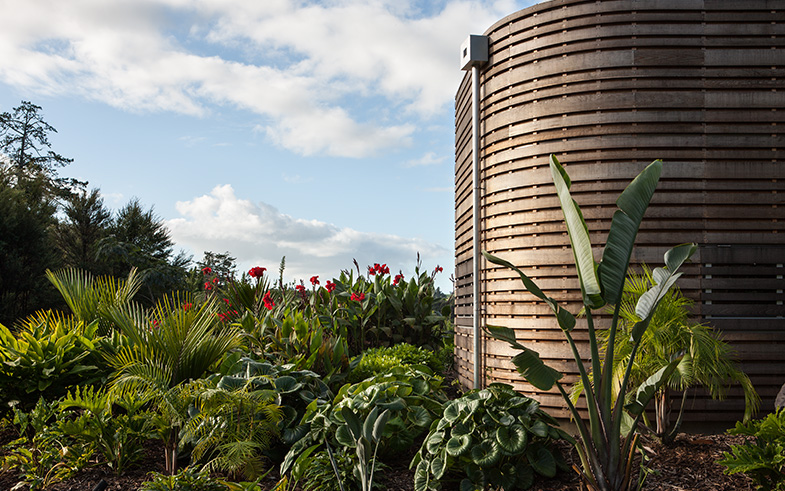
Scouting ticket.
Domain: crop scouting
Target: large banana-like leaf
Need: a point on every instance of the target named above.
(565, 318)
(579, 238)
(534, 370)
(626, 221)
(664, 279)
(648, 388)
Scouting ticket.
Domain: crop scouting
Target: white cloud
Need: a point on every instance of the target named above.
(429, 158)
(259, 234)
(316, 73)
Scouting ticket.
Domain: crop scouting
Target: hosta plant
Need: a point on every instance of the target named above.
(764, 458)
(605, 446)
(48, 354)
(491, 437)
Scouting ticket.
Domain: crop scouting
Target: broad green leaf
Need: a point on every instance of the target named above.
(512, 439)
(438, 467)
(579, 238)
(525, 475)
(542, 461)
(534, 370)
(458, 445)
(486, 453)
(648, 388)
(422, 477)
(539, 428)
(504, 334)
(452, 411)
(676, 256)
(632, 203)
(379, 424)
(355, 426)
(434, 441)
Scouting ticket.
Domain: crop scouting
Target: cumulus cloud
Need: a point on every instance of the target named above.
(313, 71)
(259, 234)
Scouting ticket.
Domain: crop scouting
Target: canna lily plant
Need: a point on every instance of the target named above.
(606, 446)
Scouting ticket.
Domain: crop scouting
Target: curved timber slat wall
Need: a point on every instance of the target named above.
(608, 86)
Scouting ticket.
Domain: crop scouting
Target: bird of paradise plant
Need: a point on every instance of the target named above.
(606, 447)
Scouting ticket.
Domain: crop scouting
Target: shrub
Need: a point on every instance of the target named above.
(490, 437)
(413, 397)
(764, 459)
(380, 360)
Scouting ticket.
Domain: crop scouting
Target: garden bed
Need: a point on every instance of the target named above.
(689, 464)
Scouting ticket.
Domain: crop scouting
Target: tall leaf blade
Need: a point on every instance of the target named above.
(579, 238)
(632, 203)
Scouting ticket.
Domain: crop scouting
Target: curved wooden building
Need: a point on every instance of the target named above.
(608, 86)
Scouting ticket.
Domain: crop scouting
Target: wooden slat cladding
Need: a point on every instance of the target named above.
(608, 86)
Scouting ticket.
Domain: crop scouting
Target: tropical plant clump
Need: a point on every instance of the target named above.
(707, 362)
(606, 445)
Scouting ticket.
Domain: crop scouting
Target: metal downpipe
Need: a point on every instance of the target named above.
(476, 256)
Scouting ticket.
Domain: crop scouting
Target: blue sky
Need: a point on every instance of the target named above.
(319, 131)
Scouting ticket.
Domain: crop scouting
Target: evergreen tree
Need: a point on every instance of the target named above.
(140, 239)
(78, 236)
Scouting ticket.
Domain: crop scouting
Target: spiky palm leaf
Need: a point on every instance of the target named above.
(169, 349)
(91, 298)
(708, 360)
(234, 428)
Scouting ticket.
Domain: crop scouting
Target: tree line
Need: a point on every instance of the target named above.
(48, 221)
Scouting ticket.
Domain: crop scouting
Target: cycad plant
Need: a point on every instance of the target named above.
(708, 360)
(605, 449)
(168, 350)
(232, 428)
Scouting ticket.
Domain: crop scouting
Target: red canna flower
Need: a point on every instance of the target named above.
(227, 301)
(207, 285)
(377, 268)
(438, 269)
(268, 301)
(256, 272)
(207, 270)
(330, 286)
(314, 280)
(215, 280)
(187, 306)
(358, 297)
(397, 279)
(300, 288)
